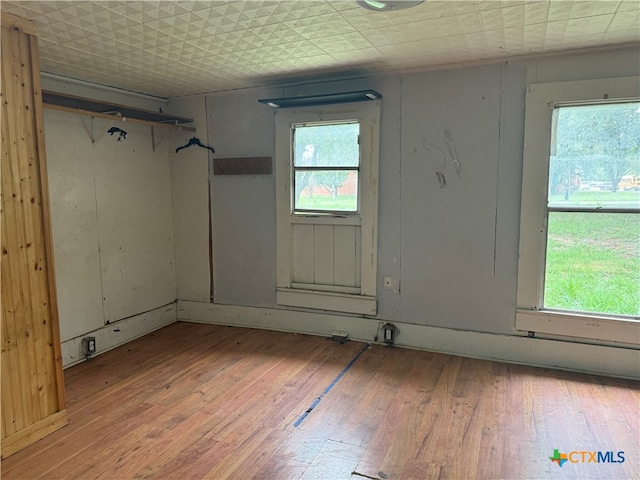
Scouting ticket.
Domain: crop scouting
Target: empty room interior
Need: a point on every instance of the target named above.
(328, 239)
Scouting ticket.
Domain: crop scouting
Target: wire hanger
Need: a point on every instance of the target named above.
(195, 141)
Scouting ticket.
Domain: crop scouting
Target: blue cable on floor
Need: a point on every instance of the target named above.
(326, 390)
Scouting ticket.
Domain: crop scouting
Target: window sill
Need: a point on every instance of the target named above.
(613, 329)
(325, 219)
(337, 302)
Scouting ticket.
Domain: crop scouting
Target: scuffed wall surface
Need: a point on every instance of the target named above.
(454, 127)
(112, 222)
(135, 226)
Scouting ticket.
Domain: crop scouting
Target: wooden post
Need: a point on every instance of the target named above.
(32, 379)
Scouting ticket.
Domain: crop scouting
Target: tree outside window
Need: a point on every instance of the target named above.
(326, 159)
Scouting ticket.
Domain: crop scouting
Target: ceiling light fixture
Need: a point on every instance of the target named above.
(387, 5)
(329, 99)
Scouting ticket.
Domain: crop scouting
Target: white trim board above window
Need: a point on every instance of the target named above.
(543, 198)
(327, 207)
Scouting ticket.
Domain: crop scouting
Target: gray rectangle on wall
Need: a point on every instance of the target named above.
(242, 166)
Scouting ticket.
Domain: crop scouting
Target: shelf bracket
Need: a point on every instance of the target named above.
(94, 138)
(170, 132)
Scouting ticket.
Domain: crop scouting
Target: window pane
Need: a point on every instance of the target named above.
(595, 156)
(329, 190)
(593, 263)
(326, 145)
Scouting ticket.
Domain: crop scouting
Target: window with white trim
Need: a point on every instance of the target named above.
(326, 167)
(579, 270)
(327, 207)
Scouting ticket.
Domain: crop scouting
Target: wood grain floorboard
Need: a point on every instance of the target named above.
(194, 401)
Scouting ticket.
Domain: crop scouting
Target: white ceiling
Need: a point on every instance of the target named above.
(174, 48)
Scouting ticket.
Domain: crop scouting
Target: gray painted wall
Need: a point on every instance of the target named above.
(459, 238)
(453, 250)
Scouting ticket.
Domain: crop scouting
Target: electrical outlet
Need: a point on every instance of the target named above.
(388, 282)
(89, 346)
(389, 330)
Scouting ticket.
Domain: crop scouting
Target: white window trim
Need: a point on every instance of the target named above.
(530, 315)
(368, 115)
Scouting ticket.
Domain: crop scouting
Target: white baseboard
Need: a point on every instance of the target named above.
(564, 355)
(118, 333)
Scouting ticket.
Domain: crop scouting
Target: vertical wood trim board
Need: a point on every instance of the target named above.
(32, 380)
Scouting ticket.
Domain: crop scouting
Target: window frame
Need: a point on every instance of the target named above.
(360, 300)
(531, 316)
(294, 169)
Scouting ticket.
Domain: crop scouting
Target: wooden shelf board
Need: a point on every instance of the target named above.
(113, 111)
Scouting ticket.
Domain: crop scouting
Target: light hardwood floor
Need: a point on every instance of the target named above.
(204, 401)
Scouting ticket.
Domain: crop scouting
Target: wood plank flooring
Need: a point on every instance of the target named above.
(204, 401)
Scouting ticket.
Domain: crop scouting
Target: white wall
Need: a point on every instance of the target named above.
(453, 250)
(111, 212)
(459, 242)
(190, 191)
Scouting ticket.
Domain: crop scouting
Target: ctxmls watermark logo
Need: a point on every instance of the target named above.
(586, 457)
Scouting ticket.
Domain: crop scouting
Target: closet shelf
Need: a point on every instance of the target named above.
(113, 111)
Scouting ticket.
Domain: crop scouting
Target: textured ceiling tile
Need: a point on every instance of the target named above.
(573, 42)
(468, 47)
(484, 5)
(625, 21)
(578, 27)
(303, 8)
(180, 23)
(476, 45)
(514, 16)
(341, 43)
(209, 13)
(136, 11)
(418, 53)
(621, 36)
(124, 34)
(321, 26)
(427, 29)
(363, 20)
(441, 9)
(357, 56)
(44, 7)
(162, 9)
(534, 36)
(469, 23)
(592, 8)
(629, 5)
(120, 6)
(343, 5)
(165, 47)
(496, 41)
(566, 9)
(19, 9)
